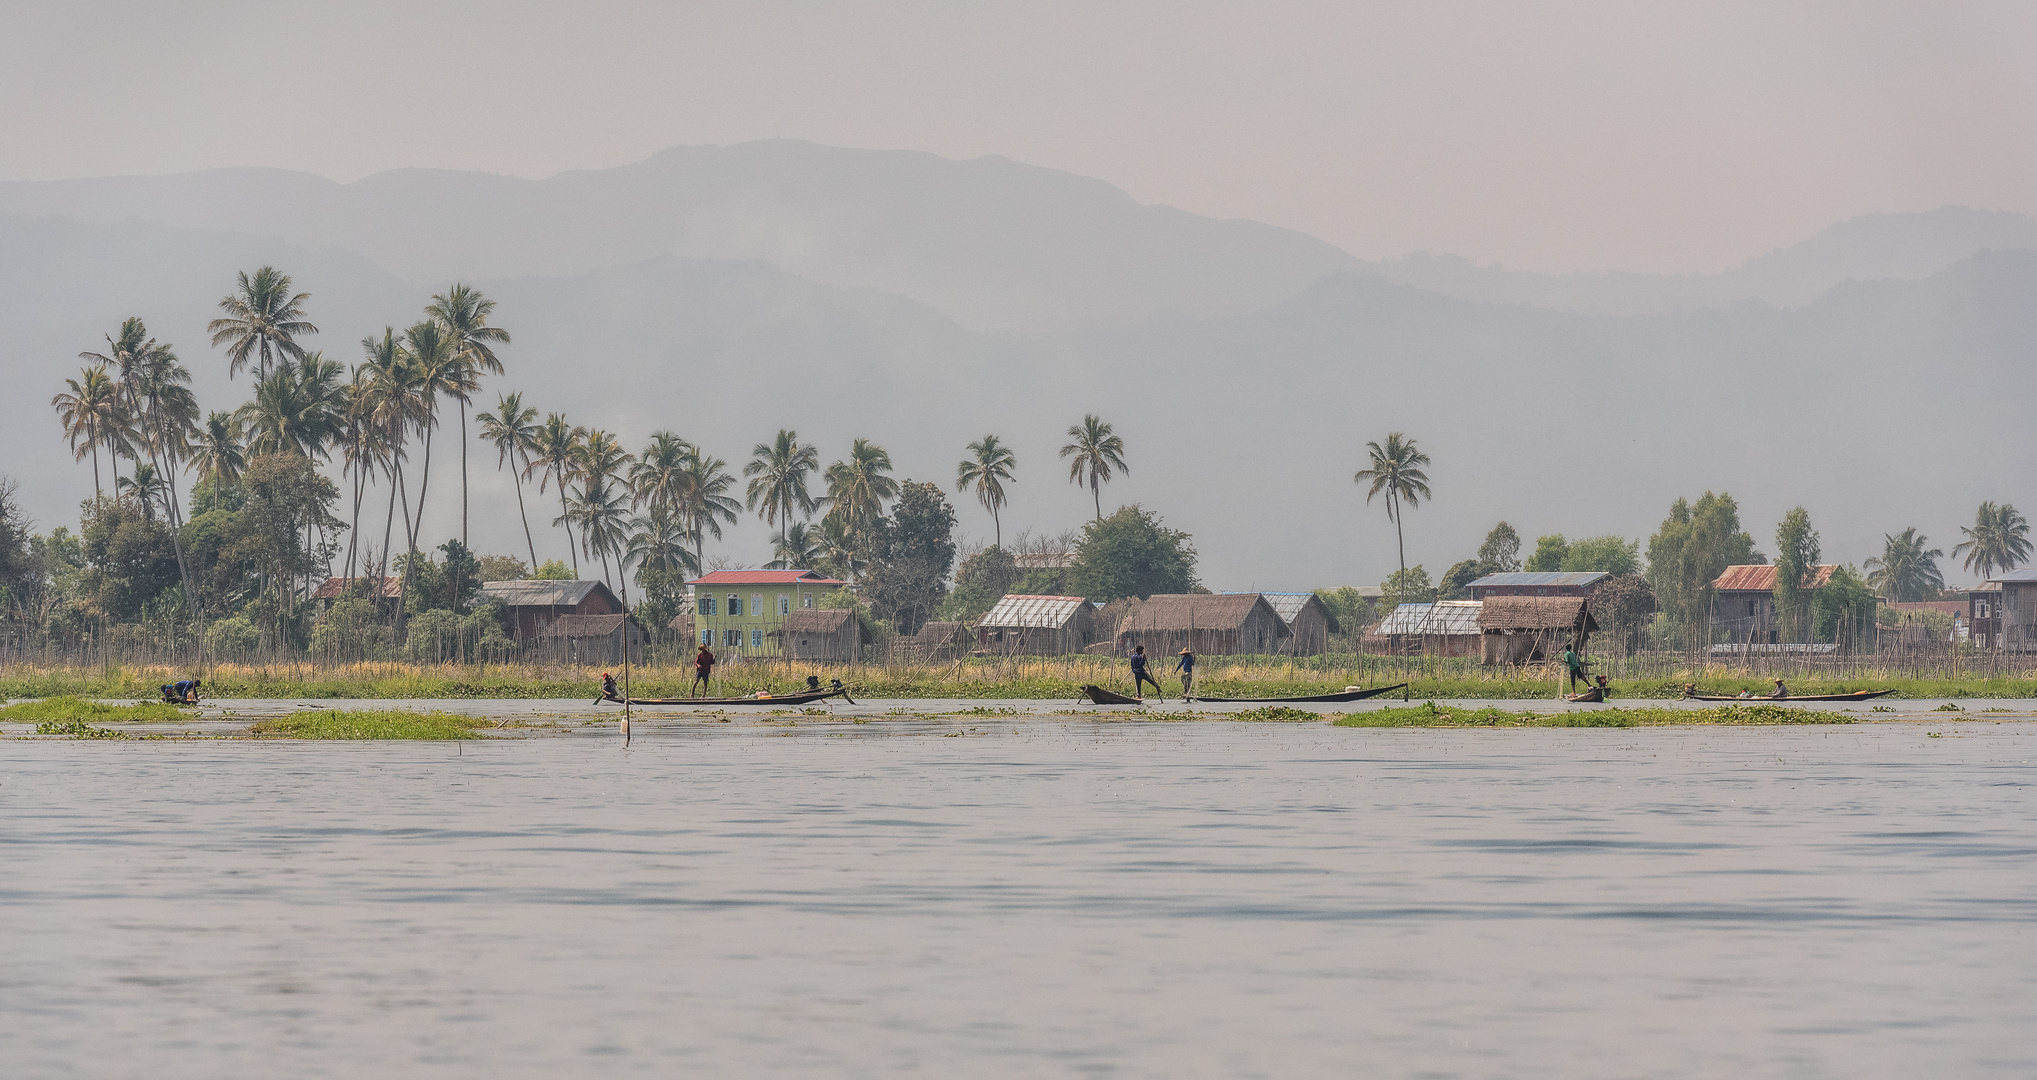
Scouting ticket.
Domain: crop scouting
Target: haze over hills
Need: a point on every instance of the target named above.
(728, 292)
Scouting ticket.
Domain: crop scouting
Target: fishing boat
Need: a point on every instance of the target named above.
(1100, 696)
(1349, 694)
(1595, 694)
(1857, 695)
(814, 692)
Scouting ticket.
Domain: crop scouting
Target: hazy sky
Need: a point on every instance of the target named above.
(1554, 136)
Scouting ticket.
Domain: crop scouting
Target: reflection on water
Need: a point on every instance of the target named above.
(1034, 897)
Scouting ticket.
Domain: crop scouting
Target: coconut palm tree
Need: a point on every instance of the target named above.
(91, 415)
(702, 501)
(600, 506)
(161, 415)
(145, 485)
(987, 468)
(513, 429)
(777, 472)
(1906, 569)
(298, 408)
(557, 444)
(1096, 450)
(1999, 540)
(393, 409)
(440, 373)
(262, 322)
(657, 543)
(858, 488)
(463, 312)
(798, 549)
(1397, 471)
(659, 475)
(838, 549)
(218, 452)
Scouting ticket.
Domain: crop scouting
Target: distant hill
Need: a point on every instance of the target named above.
(1245, 365)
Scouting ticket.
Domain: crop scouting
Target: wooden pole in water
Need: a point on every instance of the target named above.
(625, 658)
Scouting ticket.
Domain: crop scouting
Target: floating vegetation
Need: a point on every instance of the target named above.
(1429, 714)
(71, 708)
(375, 724)
(77, 729)
(1276, 714)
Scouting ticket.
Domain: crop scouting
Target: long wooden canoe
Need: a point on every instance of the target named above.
(1595, 694)
(1857, 695)
(804, 697)
(1100, 696)
(1346, 695)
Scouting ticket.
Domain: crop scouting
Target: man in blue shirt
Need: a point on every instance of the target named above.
(181, 692)
(1140, 676)
(1186, 666)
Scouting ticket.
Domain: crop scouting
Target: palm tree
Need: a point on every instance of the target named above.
(798, 549)
(838, 548)
(393, 403)
(262, 321)
(1906, 570)
(298, 408)
(1397, 470)
(513, 429)
(777, 472)
(557, 444)
(657, 543)
(91, 415)
(659, 476)
(859, 487)
(440, 372)
(702, 502)
(463, 312)
(1097, 451)
(1999, 540)
(601, 507)
(217, 452)
(987, 468)
(161, 415)
(145, 486)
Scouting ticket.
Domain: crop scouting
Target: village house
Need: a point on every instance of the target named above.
(1036, 626)
(1225, 624)
(1743, 602)
(535, 604)
(833, 635)
(939, 641)
(591, 639)
(1538, 583)
(1444, 628)
(743, 610)
(2002, 613)
(334, 587)
(1309, 624)
(1529, 629)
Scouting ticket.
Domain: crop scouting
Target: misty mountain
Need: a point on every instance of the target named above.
(1245, 419)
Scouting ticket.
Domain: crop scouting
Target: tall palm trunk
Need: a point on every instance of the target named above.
(517, 479)
(98, 492)
(410, 530)
(1096, 490)
(1392, 511)
(565, 520)
(423, 485)
(463, 474)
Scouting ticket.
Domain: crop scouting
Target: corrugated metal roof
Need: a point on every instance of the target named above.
(2028, 573)
(535, 593)
(1033, 612)
(1762, 578)
(1541, 577)
(765, 577)
(1444, 618)
(1287, 605)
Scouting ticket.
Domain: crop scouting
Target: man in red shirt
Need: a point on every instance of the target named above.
(703, 669)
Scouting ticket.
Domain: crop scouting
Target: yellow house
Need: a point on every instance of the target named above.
(740, 610)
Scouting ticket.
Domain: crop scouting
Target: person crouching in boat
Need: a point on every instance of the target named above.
(181, 692)
(608, 687)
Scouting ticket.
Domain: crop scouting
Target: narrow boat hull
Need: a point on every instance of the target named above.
(803, 698)
(1347, 695)
(1858, 695)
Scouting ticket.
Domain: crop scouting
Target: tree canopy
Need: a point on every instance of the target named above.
(1131, 553)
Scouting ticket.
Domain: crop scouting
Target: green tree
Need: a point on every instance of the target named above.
(1501, 551)
(219, 453)
(1603, 554)
(798, 549)
(1410, 586)
(1693, 546)
(1998, 540)
(987, 469)
(92, 417)
(129, 559)
(463, 313)
(512, 428)
(1624, 604)
(777, 472)
(1548, 555)
(462, 575)
(1844, 610)
(298, 408)
(981, 580)
(858, 488)
(554, 570)
(702, 500)
(262, 321)
(910, 561)
(1096, 450)
(558, 443)
(1397, 470)
(1456, 583)
(1350, 610)
(1796, 562)
(1132, 553)
(1907, 569)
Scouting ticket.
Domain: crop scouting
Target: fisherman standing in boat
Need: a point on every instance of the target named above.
(1186, 666)
(703, 669)
(1575, 664)
(1141, 677)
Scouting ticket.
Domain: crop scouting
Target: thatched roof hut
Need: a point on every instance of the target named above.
(1226, 624)
(1523, 629)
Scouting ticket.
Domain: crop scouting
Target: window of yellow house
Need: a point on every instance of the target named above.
(784, 604)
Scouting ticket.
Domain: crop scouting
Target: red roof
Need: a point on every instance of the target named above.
(1762, 578)
(765, 577)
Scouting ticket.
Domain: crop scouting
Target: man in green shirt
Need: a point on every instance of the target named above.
(1575, 664)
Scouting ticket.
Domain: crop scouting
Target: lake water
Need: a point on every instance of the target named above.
(1033, 896)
